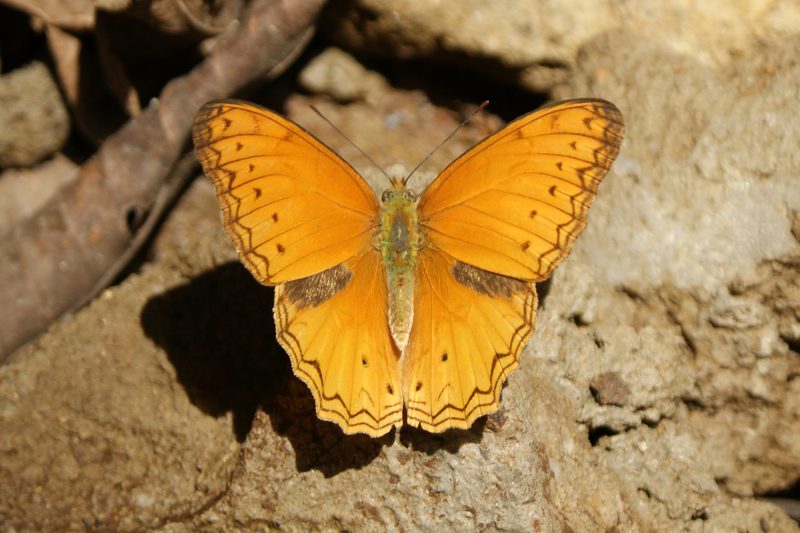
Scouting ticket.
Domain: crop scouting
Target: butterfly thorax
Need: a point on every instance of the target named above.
(399, 244)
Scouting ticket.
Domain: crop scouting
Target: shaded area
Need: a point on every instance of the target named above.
(477, 77)
(506, 99)
(450, 440)
(218, 333)
(19, 43)
(542, 290)
(319, 445)
(787, 499)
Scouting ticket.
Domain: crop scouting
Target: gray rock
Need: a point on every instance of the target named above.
(536, 43)
(339, 75)
(34, 122)
(695, 230)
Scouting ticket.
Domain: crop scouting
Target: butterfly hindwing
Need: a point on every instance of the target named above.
(292, 206)
(514, 203)
(334, 327)
(469, 328)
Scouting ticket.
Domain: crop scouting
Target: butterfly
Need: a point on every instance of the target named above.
(405, 308)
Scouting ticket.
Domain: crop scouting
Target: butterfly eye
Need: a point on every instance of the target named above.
(385, 196)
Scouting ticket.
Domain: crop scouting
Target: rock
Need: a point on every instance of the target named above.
(101, 429)
(695, 229)
(34, 122)
(535, 44)
(659, 392)
(339, 75)
(609, 388)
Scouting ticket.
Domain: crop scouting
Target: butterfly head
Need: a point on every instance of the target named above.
(398, 190)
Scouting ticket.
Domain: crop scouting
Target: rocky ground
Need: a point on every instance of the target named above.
(660, 392)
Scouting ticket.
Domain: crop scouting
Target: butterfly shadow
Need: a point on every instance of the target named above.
(450, 440)
(218, 332)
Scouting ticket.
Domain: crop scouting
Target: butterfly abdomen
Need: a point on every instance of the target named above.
(399, 246)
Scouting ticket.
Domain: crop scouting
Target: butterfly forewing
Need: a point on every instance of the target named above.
(515, 203)
(499, 218)
(303, 219)
(292, 206)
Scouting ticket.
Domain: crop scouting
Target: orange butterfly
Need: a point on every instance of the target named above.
(406, 308)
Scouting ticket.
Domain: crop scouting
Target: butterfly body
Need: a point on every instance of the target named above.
(406, 310)
(400, 242)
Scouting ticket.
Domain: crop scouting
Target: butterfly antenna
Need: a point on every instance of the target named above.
(477, 110)
(346, 138)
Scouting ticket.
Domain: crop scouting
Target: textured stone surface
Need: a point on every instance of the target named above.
(98, 430)
(34, 122)
(338, 74)
(696, 228)
(535, 43)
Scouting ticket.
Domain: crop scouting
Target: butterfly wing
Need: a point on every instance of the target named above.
(498, 219)
(515, 203)
(303, 219)
(469, 328)
(334, 327)
(292, 206)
